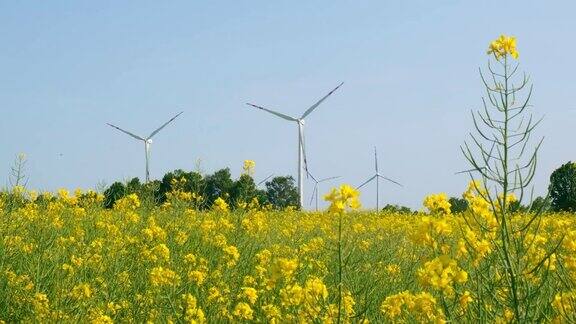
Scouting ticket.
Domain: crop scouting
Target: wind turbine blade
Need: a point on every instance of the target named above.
(274, 112)
(313, 194)
(126, 132)
(301, 131)
(385, 178)
(165, 124)
(365, 182)
(311, 176)
(328, 179)
(309, 110)
(268, 177)
(375, 160)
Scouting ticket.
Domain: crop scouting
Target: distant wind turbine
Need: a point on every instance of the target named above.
(315, 190)
(302, 163)
(377, 177)
(147, 141)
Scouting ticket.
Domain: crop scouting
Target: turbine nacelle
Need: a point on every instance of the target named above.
(148, 141)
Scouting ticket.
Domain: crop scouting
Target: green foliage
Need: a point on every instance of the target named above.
(516, 207)
(389, 208)
(458, 205)
(541, 204)
(219, 184)
(146, 192)
(244, 190)
(44, 199)
(193, 183)
(13, 200)
(282, 192)
(116, 191)
(562, 188)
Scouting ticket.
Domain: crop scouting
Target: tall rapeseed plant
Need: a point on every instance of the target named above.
(341, 199)
(499, 155)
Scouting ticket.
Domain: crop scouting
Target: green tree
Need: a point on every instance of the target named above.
(540, 204)
(116, 191)
(281, 192)
(244, 190)
(219, 184)
(562, 188)
(458, 205)
(194, 183)
(389, 208)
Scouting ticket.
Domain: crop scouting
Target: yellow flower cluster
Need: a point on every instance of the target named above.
(564, 305)
(432, 231)
(192, 314)
(127, 203)
(160, 276)
(503, 46)
(442, 273)
(408, 307)
(81, 291)
(220, 205)
(248, 167)
(243, 311)
(477, 198)
(342, 198)
(438, 204)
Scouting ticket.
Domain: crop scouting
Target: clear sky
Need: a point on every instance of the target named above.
(410, 70)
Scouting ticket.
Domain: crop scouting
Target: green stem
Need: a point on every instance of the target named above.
(339, 267)
(503, 203)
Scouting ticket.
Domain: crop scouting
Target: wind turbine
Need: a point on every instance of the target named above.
(147, 141)
(302, 163)
(377, 176)
(315, 190)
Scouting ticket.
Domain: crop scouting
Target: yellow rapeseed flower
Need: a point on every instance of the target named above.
(160, 276)
(220, 205)
(82, 291)
(438, 204)
(250, 293)
(503, 46)
(243, 311)
(342, 198)
(248, 167)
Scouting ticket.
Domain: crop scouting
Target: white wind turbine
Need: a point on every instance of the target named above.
(302, 163)
(377, 176)
(315, 190)
(147, 141)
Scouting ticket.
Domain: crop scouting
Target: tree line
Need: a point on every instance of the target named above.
(280, 192)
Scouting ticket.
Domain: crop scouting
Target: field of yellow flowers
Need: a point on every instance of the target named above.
(68, 259)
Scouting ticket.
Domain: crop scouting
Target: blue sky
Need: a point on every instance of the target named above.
(410, 70)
